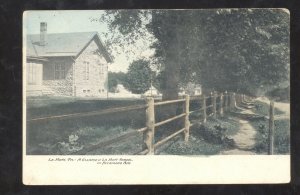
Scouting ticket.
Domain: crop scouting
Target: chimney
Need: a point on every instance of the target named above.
(43, 33)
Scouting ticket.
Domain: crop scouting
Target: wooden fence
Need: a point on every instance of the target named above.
(150, 143)
(272, 118)
(219, 103)
(271, 130)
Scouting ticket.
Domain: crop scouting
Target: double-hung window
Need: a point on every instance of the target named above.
(59, 71)
(86, 73)
(102, 70)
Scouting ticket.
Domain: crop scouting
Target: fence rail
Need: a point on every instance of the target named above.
(219, 103)
(168, 102)
(169, 120)
(93, 113)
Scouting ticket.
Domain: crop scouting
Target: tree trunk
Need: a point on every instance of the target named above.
(171, 78)
(170, 90)
(171, 82)
(170, 86)
(170, 42)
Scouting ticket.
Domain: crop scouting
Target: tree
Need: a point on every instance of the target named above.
(115, 78)
(131, 25)
(138, 77)
(247, 52)
(224, 49)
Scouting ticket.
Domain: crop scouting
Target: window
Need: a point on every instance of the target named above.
(59, 71)
(32, 74)
(102, 68)
(86, 70)
(84, 91)
(88, 91)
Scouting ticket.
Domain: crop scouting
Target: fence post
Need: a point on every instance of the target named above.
(226, 101)
(240, 99)
(204, 109)
(232, 102)
(221, 105)
(187, 121)
(237, 99)
(271, 129)
(148, 135)
(214, 101)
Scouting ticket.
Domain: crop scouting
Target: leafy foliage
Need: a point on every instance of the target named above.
(249, 50)
(139, 76)
(242, 50)
(115, 78)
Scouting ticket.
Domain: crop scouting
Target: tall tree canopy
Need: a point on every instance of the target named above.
(247, 51)
(138, 77)
(226, 49)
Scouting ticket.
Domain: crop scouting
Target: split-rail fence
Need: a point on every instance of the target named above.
(219, 104)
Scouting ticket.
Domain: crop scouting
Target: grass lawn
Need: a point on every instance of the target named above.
(204, 139)
(48, 106)
(64, 136)
(51, 137)
(195, 146)
(54, 136)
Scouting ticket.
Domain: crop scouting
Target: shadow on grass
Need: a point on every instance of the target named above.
(45, 106)
(42, 137)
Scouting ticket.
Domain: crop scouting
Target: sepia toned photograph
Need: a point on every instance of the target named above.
(157, 82)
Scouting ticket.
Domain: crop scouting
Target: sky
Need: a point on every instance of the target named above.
(80, 21)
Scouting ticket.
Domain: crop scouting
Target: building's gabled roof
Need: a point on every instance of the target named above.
(63, 44)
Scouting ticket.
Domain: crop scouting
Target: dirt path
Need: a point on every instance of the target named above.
(244, 139)
(281, 106)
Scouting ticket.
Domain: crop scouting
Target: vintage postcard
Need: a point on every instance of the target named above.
(156, 96)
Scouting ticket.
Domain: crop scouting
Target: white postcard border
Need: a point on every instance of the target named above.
(162, 169)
